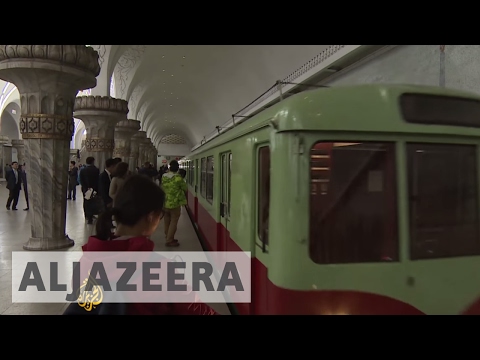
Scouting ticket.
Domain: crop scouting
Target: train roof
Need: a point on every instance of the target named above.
(362, 108)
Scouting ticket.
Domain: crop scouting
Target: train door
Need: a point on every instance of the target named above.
(225, 186)
(196, 182)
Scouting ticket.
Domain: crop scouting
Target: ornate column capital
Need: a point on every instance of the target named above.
(124, 130)
(140, 136)
(100, 114)
(127, 128)
(47, 99)
(78, 64)
(48, 78)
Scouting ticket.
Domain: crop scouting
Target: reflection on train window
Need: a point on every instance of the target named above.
(443, 201)
(209, 191)
(190, 172)
(263, 193)
(203, 189)
(353, 216)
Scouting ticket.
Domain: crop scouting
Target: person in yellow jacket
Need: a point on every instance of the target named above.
(174, 187)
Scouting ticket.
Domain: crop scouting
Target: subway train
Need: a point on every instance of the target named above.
(352, 200)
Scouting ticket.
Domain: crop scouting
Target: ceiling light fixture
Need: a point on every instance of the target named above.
(184, 57)
(172, 74)
(163, 70)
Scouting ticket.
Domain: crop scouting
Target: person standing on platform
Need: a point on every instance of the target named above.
(174, 187)
(72, 181)
(89, 184)
(105, 181)
(23, 175)
(14, 185)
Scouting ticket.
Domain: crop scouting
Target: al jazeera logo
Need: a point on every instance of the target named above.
(90, 294)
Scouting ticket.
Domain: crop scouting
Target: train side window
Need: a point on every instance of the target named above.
(353, 208)
(203, 189)
(229, 190)
(443, 194)
(263, 199)
(209, 186)
(190, 173)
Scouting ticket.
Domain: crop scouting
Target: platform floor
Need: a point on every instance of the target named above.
(15, 230)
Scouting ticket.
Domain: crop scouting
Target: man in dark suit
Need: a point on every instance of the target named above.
(104, 182)
(89, 180)
(14, 185)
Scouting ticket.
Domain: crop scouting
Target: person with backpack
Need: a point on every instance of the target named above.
(175, 188)
(138, 210)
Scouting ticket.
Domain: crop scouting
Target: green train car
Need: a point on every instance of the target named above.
(351, 200)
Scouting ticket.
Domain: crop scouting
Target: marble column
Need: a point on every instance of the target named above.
(141, 137)
(151, 153)
(19, 145)
(4, 140)
(100, 114)
(124, 132)
(144, 146)
(134, 151)
(48, 77)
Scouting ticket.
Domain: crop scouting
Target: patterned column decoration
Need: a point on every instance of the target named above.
(141, 137)
(100, 114)
(48, 78)
(19, 145)
(124, 132)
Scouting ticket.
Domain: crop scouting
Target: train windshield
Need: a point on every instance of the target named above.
(443, 194)
(353, 210)
(353, 202)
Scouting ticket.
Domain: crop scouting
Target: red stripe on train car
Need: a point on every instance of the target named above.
(269, 299)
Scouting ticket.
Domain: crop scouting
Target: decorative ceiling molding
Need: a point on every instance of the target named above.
(126, 64)
(173, 139)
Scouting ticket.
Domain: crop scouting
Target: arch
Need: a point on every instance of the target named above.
(153, 127)
(9, 126)
(126, 67)
(8, 93)
(79, 134)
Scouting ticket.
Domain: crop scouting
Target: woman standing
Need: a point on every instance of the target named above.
(72, 181)
(120, 174)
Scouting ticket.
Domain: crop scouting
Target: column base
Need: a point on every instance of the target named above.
(46, 244)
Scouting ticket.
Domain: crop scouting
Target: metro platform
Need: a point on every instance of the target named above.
(15, 231)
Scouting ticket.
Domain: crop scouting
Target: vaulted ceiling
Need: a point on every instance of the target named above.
(180, 93)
